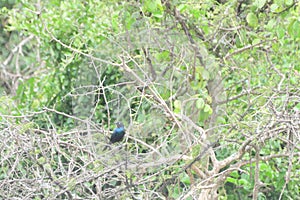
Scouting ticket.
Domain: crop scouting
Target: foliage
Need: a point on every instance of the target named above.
(208, 92)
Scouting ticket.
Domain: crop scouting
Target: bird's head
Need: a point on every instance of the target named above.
(119, 124)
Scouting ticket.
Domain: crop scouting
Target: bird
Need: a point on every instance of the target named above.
(117, 134)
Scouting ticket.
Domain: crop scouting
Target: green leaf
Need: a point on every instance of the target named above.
(263, 167)
(252, 20)
(182, 7)
(47, 166)
(271, 24)
(239, 89)
(293, 80)
(158, 14)
(200, 103)
(294, 29)
(163, 56)
(280, 32)
(186, 180)
(152, 6)
(177, 106)
(26, 126)
(203, 116)
(129, 20)
(288, 2)
(196, 150)
(297, 107)
(256, 41)
(221, 120)
(71, 184)
(231, 180)
(234, 174)
(260, 3)
(274, 7)
(207, 109)
(205, 74)
(42, 160)
(243, 182)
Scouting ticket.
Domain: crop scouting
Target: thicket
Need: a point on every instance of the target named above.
(208, 92)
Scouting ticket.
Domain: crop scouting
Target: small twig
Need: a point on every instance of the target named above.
(246, 48)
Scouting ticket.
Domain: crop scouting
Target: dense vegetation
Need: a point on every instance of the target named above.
(208, 92)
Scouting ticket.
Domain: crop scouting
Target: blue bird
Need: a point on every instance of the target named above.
(117, 134)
